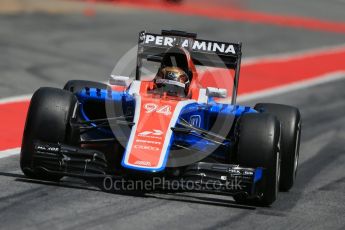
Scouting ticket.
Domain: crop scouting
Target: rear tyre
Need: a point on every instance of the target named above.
(290, 120)
(75, 86)
(258, 146)
(48, 121)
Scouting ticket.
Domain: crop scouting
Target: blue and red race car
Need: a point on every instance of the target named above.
(182, 124)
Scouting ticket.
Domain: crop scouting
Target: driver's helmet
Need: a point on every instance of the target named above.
(172, 80)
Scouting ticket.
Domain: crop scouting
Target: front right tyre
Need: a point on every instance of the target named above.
(48, 120)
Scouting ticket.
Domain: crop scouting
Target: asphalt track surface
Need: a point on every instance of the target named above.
(39, 49)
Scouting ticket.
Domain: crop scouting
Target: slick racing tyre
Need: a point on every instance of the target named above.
(290, 120)
(258, 146)
(47, 121)
(75, 86)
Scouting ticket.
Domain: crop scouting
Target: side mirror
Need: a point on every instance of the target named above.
(120, 80)
(216, 92)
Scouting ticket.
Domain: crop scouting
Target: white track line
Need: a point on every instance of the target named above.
(9, 153)
(20, 98)
(293, 86)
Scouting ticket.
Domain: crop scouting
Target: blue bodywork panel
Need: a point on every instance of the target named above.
(200, 115)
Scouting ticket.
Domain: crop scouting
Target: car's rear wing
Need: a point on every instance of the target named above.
(203, 52)
(152, 47)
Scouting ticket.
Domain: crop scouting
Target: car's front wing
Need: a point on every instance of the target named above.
(207, 177)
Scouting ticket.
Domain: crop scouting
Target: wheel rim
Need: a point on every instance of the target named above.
(277, 172)
(296, 151)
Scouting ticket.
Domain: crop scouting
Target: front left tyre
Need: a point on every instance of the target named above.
(290, 120)
(258, 146)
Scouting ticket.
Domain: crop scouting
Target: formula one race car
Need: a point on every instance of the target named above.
(180, 125)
